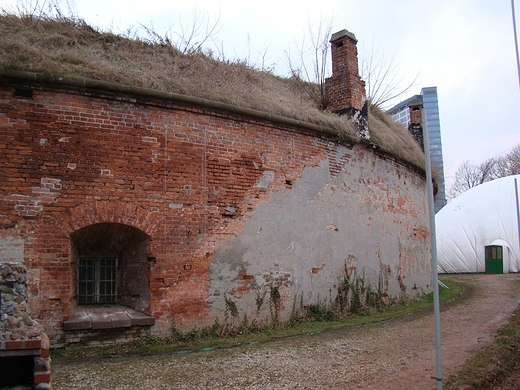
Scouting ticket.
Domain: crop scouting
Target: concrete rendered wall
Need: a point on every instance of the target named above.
(229, 205)
(367, 217)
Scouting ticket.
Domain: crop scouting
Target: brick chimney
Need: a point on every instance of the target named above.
(346, 90)
(415, 127)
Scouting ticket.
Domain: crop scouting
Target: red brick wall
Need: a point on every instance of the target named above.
(416, 113)
(70, 161)
(188, 178)
(345, 87)
(415, 126)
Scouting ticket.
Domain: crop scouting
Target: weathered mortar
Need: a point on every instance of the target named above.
(366, 217)
(231, 205)
(15, 319)
(20, 335)
(415, 126)
(345, 90)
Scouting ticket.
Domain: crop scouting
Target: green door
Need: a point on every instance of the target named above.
(494, 259)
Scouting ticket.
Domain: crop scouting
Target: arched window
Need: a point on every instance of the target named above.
(111, 265)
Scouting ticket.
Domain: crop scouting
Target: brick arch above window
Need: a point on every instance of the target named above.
(106, 237)
(125, 213)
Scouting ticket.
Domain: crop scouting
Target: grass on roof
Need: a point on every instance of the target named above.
(69, 46)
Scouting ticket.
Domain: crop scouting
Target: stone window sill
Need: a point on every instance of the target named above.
(106, 317)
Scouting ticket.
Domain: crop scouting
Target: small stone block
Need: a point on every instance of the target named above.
(120, 320)
(77, 321)
(40, 377)
(12, 345)
(141, 319)
(100, 320)
(32, 344)
(46, 352)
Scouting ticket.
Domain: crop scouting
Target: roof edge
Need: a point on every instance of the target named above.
(108, 86)
(84, 82)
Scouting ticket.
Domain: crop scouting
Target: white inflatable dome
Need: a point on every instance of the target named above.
(484, 216)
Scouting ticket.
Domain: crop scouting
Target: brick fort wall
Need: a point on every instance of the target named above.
(200, 204)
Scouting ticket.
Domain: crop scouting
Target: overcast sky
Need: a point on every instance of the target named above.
(463, 47)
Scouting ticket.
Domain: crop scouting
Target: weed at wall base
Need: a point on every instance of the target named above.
(353, 298)
(274, 304)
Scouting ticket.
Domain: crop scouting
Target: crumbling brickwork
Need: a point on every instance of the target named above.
(24, 347)
(345, 86)
(415, 127)
(346, 94)
(196, 205)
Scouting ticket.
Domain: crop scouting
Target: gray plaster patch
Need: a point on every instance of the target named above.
(11, 249)
(308, 234)
(229, 259)
(266, 179)
(341, 152)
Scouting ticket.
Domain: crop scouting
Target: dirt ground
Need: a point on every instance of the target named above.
(396, 354)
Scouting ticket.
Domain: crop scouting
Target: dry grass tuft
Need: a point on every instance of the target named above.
(70, 47)
(393, 138)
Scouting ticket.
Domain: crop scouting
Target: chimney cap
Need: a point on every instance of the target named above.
(343, 33)
(415, 102)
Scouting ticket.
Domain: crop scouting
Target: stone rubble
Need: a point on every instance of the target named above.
(15, 320)
(19, 333)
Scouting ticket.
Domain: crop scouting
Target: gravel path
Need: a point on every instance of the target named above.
(397, 354)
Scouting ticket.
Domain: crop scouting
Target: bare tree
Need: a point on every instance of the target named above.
(311, 65)
(31, 12)
(513, 161)
(470, 175)
(502, 166)
(383, 80)
(193, 36)
(508, 164)
(381, 75)
(188, 37)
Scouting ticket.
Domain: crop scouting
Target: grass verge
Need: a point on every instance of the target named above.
(494, 364)
(157, 346)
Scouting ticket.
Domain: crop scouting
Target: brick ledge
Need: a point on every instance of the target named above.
(106, 317)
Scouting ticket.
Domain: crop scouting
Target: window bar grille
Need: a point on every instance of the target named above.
(97, 280)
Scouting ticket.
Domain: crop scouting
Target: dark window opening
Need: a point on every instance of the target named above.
(23, 93)
(97, 280)
(494, 252)
(111, 265)
(16, 371)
